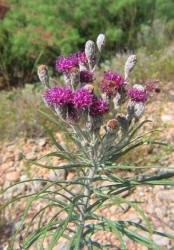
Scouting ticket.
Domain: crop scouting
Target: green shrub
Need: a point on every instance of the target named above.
(35, 32)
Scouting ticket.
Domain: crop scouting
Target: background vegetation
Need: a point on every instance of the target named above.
(37, 31)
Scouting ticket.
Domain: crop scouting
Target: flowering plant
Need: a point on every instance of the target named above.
(100, 136)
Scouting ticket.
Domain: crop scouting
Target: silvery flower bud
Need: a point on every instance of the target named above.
(43, 75)
(90, 50)
(106, 98)
(129, 65)
(117, 101)
(67, 79)
(75, 79)
(139, 108)
(130, 109)
(100, 41)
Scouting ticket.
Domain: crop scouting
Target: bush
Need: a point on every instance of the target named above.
(34, 33)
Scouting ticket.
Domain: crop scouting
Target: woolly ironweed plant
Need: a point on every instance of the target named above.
(100, 136)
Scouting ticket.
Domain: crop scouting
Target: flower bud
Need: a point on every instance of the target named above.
(90, 50)
(112, 126)
(129, 65)
(100, 41)
(43, 75)
(139, 108)
(89, 87)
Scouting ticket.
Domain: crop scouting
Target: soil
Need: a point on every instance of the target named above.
(157, 202)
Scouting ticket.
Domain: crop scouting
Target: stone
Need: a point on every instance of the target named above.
(166, 195)
(12, 176)
(125, 207)
(42, 142)
(135, 219)
(19, 156)
(57, 175)
(62, 247)
(162, 241)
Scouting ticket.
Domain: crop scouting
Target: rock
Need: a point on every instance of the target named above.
(161, 212)
(162, 241)
(37, 185)
(166, 195)
(42, 142)
(62, 247)
(26, 185)
(125, 193)
(135, 219)
(167, 118)
(12, 176)
(76, 189)
(125, 207)
(57, 175)
(19, 156)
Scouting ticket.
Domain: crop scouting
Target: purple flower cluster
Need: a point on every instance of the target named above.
(111, 82)
(86, 76)
(82, 57)
(137, 95)
(98, 107)
(114, 76)
(151, 86)
(65, 64)
(82, 99)
(58, 96)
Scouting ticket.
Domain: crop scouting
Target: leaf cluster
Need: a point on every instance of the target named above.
(82, 218)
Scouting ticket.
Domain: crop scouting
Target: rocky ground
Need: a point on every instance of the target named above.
(158, 201)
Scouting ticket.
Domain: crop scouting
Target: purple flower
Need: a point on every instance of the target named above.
(81, 57)
(65, 64)
(111, 82)
(98, 107)
(82, 99)
(137, 95)
(86, 76)
(151, 86)
(58, 96)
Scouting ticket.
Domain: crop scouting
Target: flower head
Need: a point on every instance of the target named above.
(82, 57)
(151, 86)
(98, 107)
(111, 82)
(65, 64)
(43, 75)
(82, 99)
(57, 96)
(137, 95)
(86, 76)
